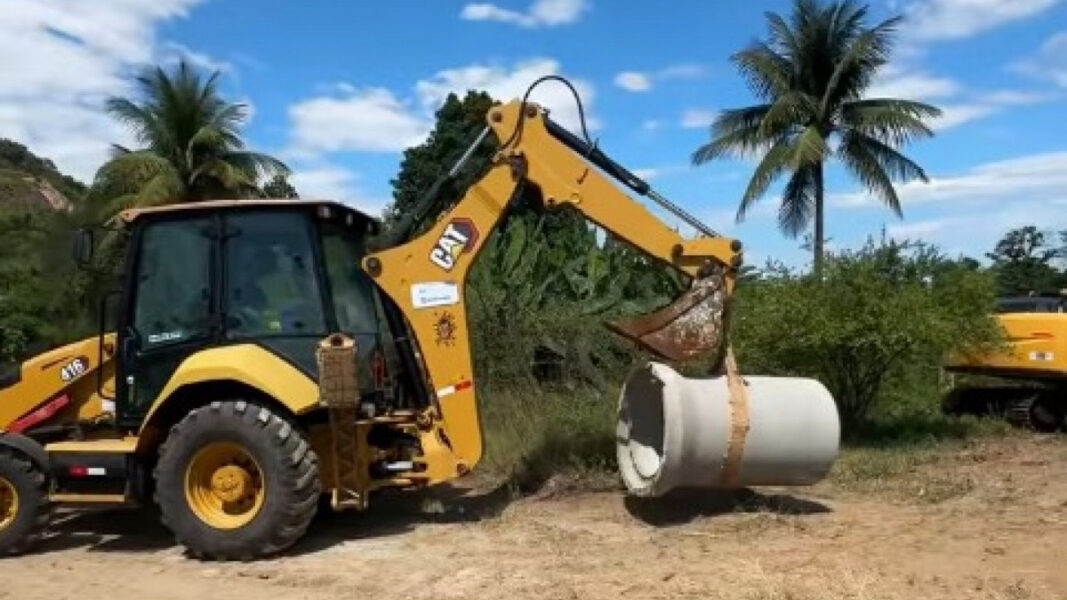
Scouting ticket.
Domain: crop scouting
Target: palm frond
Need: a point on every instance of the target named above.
(735, 132)
(798, 201)
(896, 122)
(854, 71)
(773, 163)
(157, 190)
(227, 175)
(259, 164)
(810, 148)
(137, 118)
(767, 73)
(129, 170)
(895, 164)
(865, 165)
(787, 111)
(782, 37)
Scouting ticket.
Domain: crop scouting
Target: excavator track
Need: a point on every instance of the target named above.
(1027, 407)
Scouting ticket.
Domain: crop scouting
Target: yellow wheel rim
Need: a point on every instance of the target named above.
(9, 503)
(224, 486)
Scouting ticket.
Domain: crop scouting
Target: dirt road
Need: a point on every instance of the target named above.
(985, 521)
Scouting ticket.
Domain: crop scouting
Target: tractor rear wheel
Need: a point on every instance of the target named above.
(24, 509)
(235, 481)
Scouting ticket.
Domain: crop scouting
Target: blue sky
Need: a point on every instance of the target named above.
(339, 88)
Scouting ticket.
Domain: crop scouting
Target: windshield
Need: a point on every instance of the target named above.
(352, 289)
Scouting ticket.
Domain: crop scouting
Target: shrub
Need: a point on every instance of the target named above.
(879, 311)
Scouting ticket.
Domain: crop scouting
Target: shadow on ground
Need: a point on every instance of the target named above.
(397, 513)
(392, 513)
(107, 530)
(683, 506)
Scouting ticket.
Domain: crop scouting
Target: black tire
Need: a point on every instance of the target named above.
(290, 472)
(32, 515)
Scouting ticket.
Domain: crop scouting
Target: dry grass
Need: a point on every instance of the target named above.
(533, 436)
(907, 474)
(567, 438)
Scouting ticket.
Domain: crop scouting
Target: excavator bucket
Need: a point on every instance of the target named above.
(689, 327)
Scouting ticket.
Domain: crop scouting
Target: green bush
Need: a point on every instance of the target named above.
(881, 314)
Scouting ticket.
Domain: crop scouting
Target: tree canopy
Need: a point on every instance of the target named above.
(810, 76)
(191, 145)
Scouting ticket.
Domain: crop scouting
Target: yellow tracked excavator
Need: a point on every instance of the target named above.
(1026, 381)
(264, 357)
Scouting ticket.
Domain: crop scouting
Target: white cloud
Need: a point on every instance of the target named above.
(917, 229)
(1037, 178)
(346, 118)
(633, 81)
(652, 125)
(697, 118)
(958, 114)
(958, 105)
(912, 86)
(1015, 97)
(71, 55)
(658, 172)
(507, 83)
(542, 13)
(955, 19)
(371, 119)
(1050, 62)
(331, 182)
(172, 51)
(642, 81)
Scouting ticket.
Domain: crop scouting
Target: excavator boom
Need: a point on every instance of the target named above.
(425, 276)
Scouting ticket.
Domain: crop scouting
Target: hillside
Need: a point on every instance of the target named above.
(28, 181)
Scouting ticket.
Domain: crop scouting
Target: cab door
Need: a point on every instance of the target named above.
(171, 307)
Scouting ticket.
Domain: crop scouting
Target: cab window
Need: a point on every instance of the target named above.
(350, 287)
(173, 285)
(271, 286)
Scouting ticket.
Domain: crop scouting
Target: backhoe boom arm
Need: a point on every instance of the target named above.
(425, 277)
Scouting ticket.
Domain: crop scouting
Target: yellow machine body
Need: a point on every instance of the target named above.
(425, 278)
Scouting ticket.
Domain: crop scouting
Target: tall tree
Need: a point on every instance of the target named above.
(457, 124)
(192, 147)
(1022, 263)
(810, 76)
(279, 187)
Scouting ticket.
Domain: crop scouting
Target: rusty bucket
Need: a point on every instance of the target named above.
(688, 328)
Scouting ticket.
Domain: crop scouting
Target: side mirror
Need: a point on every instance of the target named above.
(84, 246)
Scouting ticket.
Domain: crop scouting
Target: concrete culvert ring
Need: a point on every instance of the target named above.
(643, 413)
(641, 433)
(677, 432)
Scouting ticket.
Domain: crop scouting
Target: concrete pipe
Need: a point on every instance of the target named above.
(678, 432)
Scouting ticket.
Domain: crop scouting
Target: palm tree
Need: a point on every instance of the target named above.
(811, 75)
(192, 145)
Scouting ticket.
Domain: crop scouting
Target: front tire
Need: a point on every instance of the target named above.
(24, 509)
(236, 482)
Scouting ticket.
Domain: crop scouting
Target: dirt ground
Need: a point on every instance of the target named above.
(986, 520)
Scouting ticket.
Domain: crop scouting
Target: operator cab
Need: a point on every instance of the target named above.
(281, 275)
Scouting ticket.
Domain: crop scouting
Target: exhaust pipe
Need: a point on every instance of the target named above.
(676, 432)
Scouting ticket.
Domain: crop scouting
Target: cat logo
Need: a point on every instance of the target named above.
(458, 237)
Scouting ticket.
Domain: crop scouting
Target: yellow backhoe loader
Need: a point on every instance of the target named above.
(264, 357)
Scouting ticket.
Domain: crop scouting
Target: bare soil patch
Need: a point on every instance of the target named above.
(983, 519)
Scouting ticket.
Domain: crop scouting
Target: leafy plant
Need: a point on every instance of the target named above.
(879, 310)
